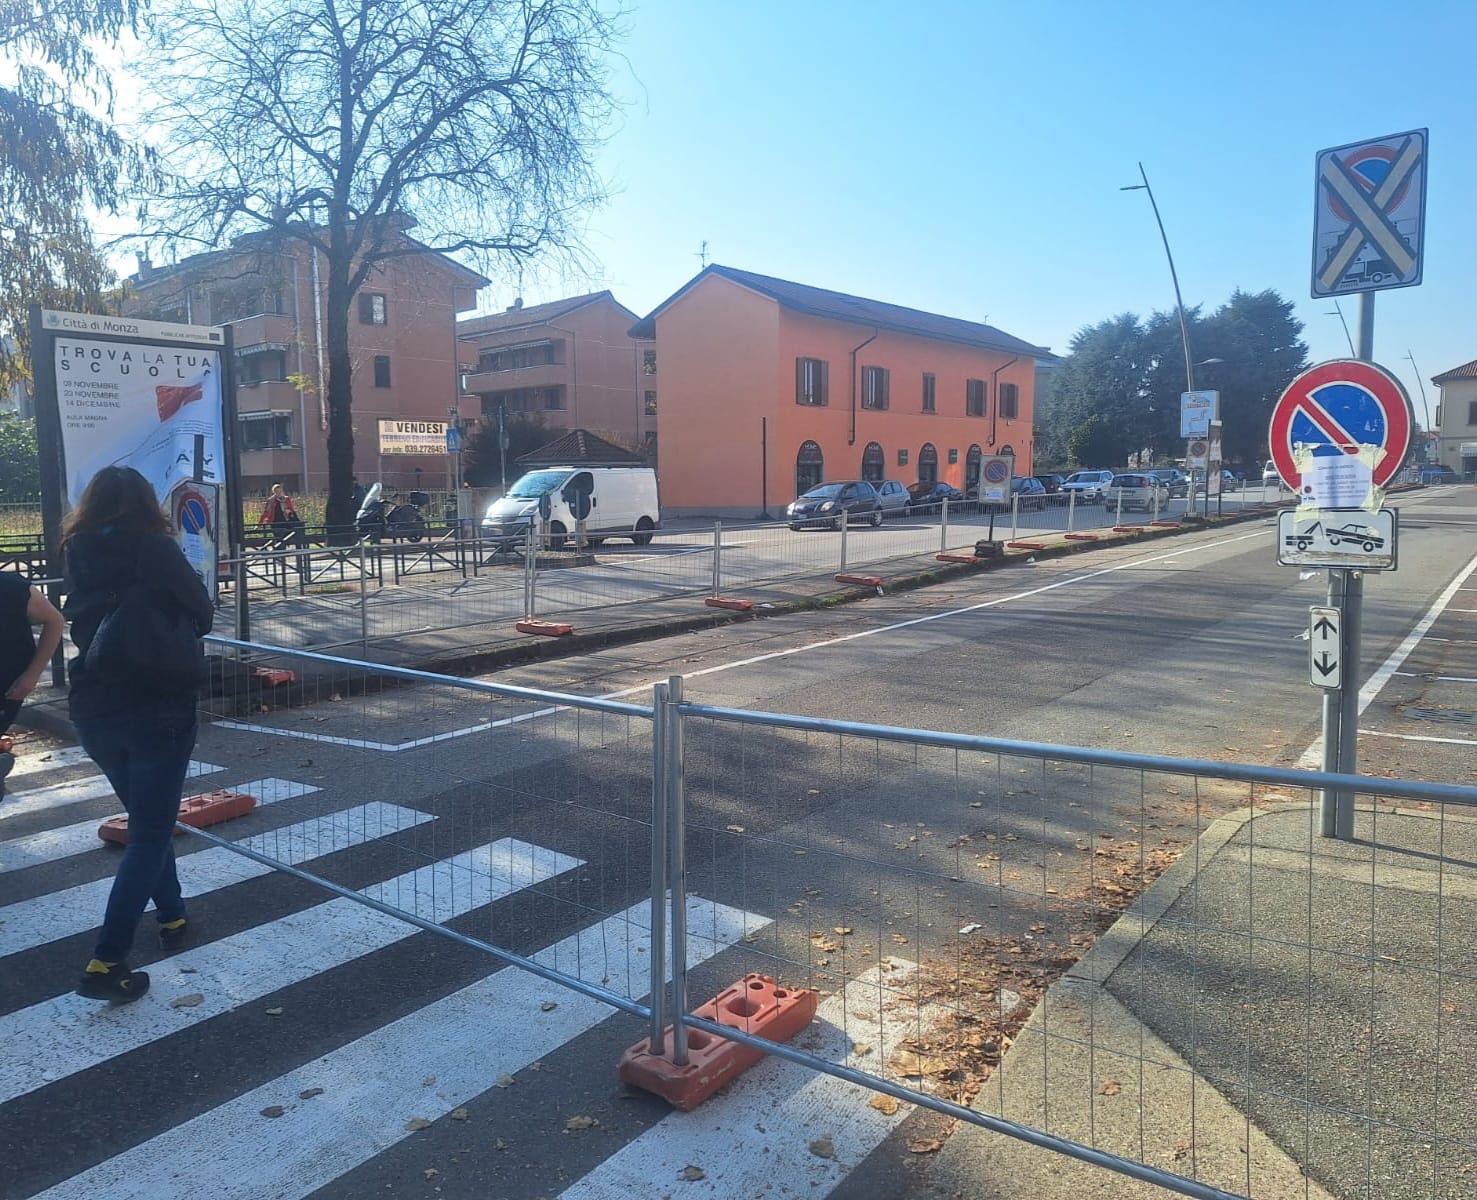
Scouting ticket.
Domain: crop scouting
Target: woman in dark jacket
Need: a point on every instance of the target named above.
(139, 730)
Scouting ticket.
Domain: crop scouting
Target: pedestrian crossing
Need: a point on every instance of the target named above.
(318, 1115)
(76, 791)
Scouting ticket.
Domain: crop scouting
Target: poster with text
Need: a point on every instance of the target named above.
(140, 406)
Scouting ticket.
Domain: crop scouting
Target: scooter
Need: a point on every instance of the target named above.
(379, 518)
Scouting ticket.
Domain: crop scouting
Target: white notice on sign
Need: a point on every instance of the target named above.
(1338, 481)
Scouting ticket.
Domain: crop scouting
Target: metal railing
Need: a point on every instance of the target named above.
(1059, 944)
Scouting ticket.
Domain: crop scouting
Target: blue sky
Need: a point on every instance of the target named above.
(965, 158)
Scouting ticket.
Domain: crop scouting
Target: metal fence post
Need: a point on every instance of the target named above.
(944, 529)
(530, 565)
(717, 558)
(1071, 510)
(677, 857)
(845, 524)
(1015, 517)
(657, 1037)
(1118, 515)
(363, 602)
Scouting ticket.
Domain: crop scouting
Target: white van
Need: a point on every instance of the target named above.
(622, 502)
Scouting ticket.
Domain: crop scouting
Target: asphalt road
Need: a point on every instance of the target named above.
(307, 1049)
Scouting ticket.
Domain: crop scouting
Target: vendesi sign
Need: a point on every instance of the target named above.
(412, 437)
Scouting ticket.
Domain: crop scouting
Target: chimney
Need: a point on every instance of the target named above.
(516, 305)
(145, 266)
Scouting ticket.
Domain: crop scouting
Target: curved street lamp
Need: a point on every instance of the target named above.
(1179, 302)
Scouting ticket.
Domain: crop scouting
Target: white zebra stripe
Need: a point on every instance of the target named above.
(94, 787)
(54, 760)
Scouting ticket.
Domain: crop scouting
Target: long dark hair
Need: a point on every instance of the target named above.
(116, 498)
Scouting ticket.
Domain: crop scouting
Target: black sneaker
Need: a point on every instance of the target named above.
(117, 984)
(177, 938)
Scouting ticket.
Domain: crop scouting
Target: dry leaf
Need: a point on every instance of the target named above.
(548, 1006)
(843, 930)
(1111, 1088)
(691, 1174)
(822, 1147)
(416, 1124)
(920, 1145)
(458, 1114)
(861, 1049)
(505, 1081)
(499, 1144)
(274, 1012)
(193, 1000)
(735, 828)
(430, 1172)
(579, 1124)
(309, 1093)
(910, 1062)
(886, 1105)
(428, 1081)
(273, 1110)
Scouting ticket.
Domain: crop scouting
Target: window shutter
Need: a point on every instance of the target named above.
(799, 381)
(825, 383)
(366, 309)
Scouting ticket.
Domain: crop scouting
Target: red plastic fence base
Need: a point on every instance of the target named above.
(755, 1005)
(1165, 524)
(1129, 528)
(544, 628)
(209, 808)
(958, 558)
(273, 676)
(1026, 545)
(871, 581)
(727, 602)
(1080, 537)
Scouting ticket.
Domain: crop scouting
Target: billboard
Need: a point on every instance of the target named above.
(413, 437)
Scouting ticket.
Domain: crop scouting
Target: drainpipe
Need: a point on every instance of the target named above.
(995, 391)
(851, 436)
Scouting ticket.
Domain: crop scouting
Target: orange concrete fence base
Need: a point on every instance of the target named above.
(871, 581)
(728, 602)
(209, 808)
(544, 628)
(755, 1005)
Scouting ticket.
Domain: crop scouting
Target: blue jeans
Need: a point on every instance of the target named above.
(145, 753)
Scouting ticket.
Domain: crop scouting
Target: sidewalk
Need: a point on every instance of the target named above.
(1276, 1001)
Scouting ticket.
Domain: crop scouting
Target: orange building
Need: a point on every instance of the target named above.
(402, 338)
(769, 387)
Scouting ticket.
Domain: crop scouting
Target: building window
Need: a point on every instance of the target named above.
(810, 381)
(929, 393)
(874, 387)
(874, 463)
(373, 309)
(972, 469)
(1471, 412)
(651, 404)
(553, 398)
(928, 464)
(381, 370)
(261, 367)
(974, 398)
(953, 457)
(810, 467)
(515, 358)
(265, 431)
(1009, 399)
(648, 362)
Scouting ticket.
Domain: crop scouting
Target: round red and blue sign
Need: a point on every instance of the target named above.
(1340, 407)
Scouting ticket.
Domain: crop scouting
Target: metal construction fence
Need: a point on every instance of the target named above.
(1145, 964)
(322, 597)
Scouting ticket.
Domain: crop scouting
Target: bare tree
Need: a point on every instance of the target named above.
(338, 123)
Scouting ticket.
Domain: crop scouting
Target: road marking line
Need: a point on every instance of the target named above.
(1312, 757)
(94, 787)
(1418, 737)
(65, 1034)
(754, 1139)
(63, 842)
(645, 688)
(231, 1153)
(55, 760)
(56, 915)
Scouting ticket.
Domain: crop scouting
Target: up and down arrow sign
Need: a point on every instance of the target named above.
(1325, 648)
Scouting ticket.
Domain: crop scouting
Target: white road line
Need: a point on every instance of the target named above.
(754, 1139)
(53, 760)
(1419, 737)
(63, 842)
(66, 1034)
(370, 1087)
(645, 688)
(94, 787)
(60, 914)
(1312, 757)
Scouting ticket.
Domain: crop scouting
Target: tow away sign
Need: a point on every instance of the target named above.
(1338, 537)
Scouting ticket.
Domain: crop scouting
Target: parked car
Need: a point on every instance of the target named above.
(1271, 477)
(612, 501)
(892, 495)
(831, 503)
(1087, 485)
(1174, 479)
(1438, 473)
(1142, 490)
(1053, 485)
(1028, 492)
(930, 497)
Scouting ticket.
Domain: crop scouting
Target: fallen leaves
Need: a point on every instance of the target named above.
(193, 1000)
(691, 1174)
(580, 1124)
(309, 1093)
(886, 1105)
(822, 1147)
(273, 1111)
(925, 1145)
(1110, 1087)
(416, 1124)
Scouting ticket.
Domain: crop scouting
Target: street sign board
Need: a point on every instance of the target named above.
(1369, 215)
(1340, 408)
(453, 440)
(1325, 646)
(1195, 452)
(995, 471)
(1197, 411)
(413, 437)
(1339, 537)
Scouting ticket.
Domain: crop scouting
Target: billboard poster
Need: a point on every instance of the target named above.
(413, 437)
(140, 405)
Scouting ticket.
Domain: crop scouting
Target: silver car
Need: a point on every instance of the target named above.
(1087, 485)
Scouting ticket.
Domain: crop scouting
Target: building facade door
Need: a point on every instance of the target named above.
(874, 463)
(810, 467)
(972, 469)
(928, 464)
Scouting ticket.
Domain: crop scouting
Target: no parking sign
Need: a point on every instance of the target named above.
(192, 510)
(995, 472)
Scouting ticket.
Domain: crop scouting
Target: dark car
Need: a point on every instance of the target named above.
(1051, 482)
(929, 497)
(1174, 479)
(852, 500)
(1028, 492)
